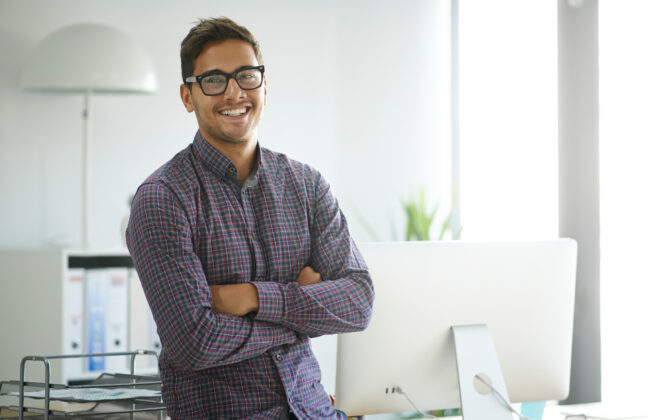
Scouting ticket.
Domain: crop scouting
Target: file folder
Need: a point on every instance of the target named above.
(116, 328)
(73, 325)
(95, 317)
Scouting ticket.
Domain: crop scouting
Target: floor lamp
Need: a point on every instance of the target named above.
(85, 59)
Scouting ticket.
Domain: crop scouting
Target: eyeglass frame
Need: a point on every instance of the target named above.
(228, 76)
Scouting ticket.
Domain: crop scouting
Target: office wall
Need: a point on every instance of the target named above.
(352, 91)
(393, 103)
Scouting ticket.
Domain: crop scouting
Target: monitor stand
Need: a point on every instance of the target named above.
(476, 355)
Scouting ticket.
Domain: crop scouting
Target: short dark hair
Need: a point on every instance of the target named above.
(208, 30)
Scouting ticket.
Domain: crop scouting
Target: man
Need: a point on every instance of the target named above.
(243, 253)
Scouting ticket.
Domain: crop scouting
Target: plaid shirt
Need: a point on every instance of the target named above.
(193, 224)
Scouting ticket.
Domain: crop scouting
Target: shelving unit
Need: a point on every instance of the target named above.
(109, 396)
(42, 291)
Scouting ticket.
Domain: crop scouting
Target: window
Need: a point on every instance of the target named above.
(508, 124)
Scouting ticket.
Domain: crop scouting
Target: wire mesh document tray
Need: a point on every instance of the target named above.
(109, 396)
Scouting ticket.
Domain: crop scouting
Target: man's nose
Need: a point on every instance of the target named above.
(233, 90)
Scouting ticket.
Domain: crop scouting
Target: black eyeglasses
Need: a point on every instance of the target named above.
(215, 82)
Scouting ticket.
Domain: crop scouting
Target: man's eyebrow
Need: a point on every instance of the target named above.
(219, 71)
(212, 71)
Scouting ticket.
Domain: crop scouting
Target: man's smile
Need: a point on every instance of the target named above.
(234, 112)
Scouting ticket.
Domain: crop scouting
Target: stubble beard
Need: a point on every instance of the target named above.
(217, 134)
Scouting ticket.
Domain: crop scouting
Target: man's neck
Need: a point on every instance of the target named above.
(243, 155)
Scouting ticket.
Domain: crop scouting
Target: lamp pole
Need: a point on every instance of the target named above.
(86, 155)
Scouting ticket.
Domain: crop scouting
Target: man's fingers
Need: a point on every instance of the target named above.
(308, 276)
(234, 299)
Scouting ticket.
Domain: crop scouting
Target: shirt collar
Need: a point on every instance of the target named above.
(219, 163)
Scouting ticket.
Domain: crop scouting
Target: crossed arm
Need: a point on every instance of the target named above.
(242, 299)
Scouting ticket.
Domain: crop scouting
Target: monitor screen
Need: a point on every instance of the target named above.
(523, 291)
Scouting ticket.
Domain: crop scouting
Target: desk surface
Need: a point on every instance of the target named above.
(601, 411)
(608, 411)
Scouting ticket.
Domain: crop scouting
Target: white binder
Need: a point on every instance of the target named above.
(116, 330)
(73, 323)
(95, 306)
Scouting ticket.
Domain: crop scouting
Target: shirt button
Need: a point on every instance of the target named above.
(279, 357)
(290, 400)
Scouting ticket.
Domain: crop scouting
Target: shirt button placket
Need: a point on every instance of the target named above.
(253, 236)
(278, 357)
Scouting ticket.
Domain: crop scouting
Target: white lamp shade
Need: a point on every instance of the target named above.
(89, 57)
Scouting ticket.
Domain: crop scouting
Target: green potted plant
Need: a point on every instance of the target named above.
(420, 219)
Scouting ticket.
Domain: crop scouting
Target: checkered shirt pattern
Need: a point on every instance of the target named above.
(193, 224)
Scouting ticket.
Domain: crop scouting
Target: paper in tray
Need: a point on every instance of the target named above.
(93, 394)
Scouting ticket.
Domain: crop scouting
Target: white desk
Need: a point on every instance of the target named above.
(557, 412)
(608, 411)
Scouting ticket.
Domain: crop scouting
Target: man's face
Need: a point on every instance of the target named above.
(219, 116)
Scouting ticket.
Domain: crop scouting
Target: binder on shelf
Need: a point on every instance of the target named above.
(116, 329)
(95, 317)
(107, 317)
(73, 326)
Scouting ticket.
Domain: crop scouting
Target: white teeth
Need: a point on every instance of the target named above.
(234, 112)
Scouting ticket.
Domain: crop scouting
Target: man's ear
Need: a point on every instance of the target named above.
(186, 98)
(265, 91)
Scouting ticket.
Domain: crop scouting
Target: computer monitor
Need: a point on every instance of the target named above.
(523, 291)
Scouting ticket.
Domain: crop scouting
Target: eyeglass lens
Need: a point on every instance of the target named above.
(246, 79)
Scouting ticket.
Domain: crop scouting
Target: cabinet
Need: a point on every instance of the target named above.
(63, 301)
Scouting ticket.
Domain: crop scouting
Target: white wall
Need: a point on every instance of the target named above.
(354, 89)
(393, 103)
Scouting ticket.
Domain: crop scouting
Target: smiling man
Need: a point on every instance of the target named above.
(243, 253)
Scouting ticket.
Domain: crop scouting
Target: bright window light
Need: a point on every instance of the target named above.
(508, 126)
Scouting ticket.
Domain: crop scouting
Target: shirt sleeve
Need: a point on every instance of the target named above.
(160, 242)
(343, 301)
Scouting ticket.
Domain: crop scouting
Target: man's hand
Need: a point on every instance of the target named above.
(234, 299)
(308, 276)
(241, 299)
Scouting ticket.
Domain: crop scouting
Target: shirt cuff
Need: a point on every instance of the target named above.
(270, 301)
